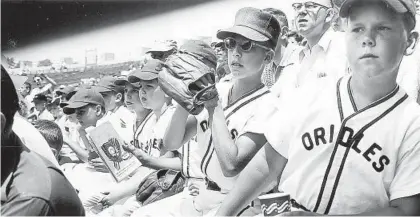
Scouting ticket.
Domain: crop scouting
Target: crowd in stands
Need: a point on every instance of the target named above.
(271, 129)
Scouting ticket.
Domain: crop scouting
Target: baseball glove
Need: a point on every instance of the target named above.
(189, 79)
(159, 185)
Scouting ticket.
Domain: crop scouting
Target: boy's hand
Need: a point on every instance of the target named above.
(193, 189)
(138, 153)
(98, 165)
(211, 104)
(110, 198)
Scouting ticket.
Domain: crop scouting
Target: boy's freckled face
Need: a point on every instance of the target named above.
(376, 40)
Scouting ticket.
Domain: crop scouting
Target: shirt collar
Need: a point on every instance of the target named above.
(323, 43)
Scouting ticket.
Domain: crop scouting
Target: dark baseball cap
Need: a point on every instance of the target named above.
(254, 24)
(107, 84)
(83, 97)
(149, 71)
(40, 97)
(399, 6)
(66, 90)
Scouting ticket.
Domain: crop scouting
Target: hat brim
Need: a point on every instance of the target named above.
(101, 89)
(63, 104)
(121, 82)
(396, 5)
(77, 104)
(243, 31)
(145, 76)
(160, 49)
(56, 101)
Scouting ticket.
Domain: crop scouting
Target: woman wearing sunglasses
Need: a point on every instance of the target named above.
(223, 148)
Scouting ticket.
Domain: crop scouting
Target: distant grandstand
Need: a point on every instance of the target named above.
(75, 75)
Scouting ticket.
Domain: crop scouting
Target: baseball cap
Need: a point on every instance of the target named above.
(254, 24)
(164, 46)
(40, 97)
(123, 81)
(54, 101)
(149, 71)
(399, 6)
(66, 90)
(107, 84)
(83, 97)
(201, 50)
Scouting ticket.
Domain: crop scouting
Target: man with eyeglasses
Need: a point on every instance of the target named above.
(323, 55)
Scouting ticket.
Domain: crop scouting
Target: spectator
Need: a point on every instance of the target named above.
(222, 70)
(44, 85)
(320, 174)
(323, 55)
(89, 107)
(33, 186)
(147, 144)
(222, 144)
(283, 52)
(52, 133)
(41, 112)
(114, 100)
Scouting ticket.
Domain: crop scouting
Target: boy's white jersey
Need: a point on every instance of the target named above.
(149, 134)
(191, 160)
(343, 159)
(237, 115)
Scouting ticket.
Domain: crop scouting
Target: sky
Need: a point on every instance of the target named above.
(190, 22)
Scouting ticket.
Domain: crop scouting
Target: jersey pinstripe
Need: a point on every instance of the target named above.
(346, 160)
(237, 115)
(149, 135)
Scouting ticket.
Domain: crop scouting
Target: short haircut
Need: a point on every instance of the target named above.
(28, 84)
(51, 132)
(9, 95)
(279, 15)
(408, 19)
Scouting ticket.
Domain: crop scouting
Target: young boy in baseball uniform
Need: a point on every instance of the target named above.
(219, 128)
(147, 140)
(351, 147)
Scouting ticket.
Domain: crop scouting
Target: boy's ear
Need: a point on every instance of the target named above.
(118, 97)
(98, 110)
(413, 39)
(284, 31)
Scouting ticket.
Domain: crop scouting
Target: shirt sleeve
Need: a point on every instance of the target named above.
(26, 206)
(406, 180)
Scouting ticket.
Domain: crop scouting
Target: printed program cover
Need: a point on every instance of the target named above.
(108, 144)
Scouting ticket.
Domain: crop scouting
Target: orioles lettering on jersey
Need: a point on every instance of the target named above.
(152, 143)
(205, 126)
(346, 139)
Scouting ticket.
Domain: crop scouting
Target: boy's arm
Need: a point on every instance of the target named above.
(181, 129)
(263, 169)
(81, 153)
(233, 156)
(168, 161)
